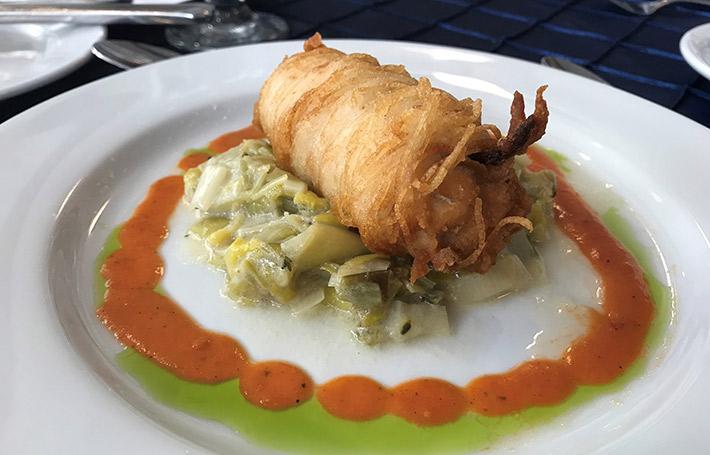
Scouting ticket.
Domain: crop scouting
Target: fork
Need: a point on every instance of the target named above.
(650, 7)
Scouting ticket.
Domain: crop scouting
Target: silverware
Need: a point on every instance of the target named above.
(649, 7)
(570, 67)
(130, 54)
(105, 13)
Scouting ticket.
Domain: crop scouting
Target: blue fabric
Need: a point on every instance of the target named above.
(634, 53)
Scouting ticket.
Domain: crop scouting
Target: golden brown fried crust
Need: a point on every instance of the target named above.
(390, 154)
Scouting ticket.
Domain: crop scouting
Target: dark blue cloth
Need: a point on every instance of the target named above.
(637, 54)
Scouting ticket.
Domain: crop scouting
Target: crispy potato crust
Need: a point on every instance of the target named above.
(408, 165)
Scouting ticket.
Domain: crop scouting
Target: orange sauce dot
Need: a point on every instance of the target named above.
(234, 138)
(354, 398)
(193, 160)
(159, 329)
(148, 226)
(606, 351)
(533, 383)
(126, 269)
(275, 385)
(428, 401)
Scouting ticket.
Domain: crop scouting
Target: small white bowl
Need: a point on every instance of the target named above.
(695, 47)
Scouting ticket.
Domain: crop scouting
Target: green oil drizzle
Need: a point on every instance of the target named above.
(310, 429)
(662, 294)
(560, 160)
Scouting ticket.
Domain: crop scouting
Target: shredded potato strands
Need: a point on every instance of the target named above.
(481, 223)
(522, 221)
(442, 169)
(389, 153)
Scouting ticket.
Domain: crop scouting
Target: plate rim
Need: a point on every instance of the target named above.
(10, 124)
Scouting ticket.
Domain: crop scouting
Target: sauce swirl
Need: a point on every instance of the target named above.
(158, 328)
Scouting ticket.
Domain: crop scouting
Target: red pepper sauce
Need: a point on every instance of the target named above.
(234, 138)
(193, 160)
(158, 328)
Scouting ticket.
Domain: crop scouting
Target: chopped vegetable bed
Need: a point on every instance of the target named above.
(279, 244)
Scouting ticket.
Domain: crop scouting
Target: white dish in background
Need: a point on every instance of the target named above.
(695, 47)
(81, 162)
(35, 54)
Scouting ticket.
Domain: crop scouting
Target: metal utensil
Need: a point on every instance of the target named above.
(650, 7)
(105, 13)
(570, 67)
(130, 54)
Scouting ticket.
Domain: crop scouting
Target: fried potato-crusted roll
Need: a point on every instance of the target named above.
(410, 166)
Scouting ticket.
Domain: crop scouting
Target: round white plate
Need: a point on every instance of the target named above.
(78, 164)
(35, 54)
(695, 47)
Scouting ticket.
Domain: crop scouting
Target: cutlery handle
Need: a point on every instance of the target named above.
(571, 67)
(105, 13)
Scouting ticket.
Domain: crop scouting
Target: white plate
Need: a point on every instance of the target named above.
(78, 164)
(695, 47)
(35, 54)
